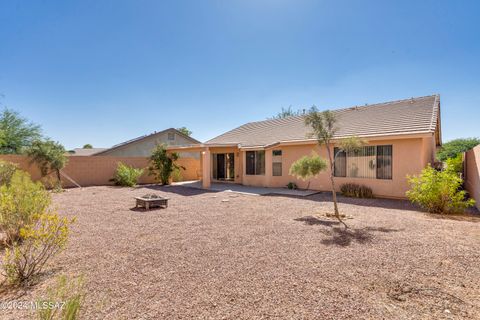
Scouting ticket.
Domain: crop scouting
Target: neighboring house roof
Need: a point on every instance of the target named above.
(409, 116)
(86, 152)
(135, 140)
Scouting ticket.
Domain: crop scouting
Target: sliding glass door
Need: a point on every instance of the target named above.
(223, 166)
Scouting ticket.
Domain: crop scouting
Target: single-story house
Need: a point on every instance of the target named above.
(402, 137)
(144, 145)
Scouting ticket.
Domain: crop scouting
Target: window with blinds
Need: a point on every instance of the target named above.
(370, 162)
(255, 162)
(277, 163)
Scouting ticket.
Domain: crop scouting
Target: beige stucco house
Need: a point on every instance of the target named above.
(143, 146)
(402, 137)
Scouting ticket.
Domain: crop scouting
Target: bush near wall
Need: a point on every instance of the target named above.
(7, 169)
(127, 176)
(439, 191)
(34, 233)
(356, 190)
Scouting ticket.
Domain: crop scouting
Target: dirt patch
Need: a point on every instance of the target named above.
(255, 257)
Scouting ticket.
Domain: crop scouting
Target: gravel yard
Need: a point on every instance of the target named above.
(230, 256)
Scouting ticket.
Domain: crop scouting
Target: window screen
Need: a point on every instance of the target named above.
(340, 165)
(255, 162)
(250, 162)
(277, 163)
(384, 162)
(371, 162)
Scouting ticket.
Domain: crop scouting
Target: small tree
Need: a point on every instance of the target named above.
(88, 146)
(163, 164)
(308, 167)
(16, 132)
(287, 112)
(452, 148)
(185, 131)
(2, 138)
(324, 129)
(50, 156)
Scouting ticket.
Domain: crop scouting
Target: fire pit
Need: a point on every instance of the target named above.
(151, 200)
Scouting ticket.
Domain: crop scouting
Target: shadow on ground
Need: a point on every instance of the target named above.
(179, 190)
(143, 210)
(374, 202)
(340, 236)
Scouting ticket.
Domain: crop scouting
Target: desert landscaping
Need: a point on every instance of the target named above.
(225, 255)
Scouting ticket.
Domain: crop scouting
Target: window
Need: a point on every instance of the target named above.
(171, 136)
(384, 162)
(277, 163)
(255, 162)
(371, 162)
(340, 168)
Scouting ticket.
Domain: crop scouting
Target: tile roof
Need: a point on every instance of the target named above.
(117, 146)
(408, 116)
(86, 151)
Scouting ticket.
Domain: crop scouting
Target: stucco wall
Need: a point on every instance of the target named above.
(409, 157)
(144, 147)
(90, 171)
(472, 174)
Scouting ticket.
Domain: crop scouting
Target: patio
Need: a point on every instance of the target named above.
(248, 190)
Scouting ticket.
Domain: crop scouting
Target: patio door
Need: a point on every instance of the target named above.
(223, 166)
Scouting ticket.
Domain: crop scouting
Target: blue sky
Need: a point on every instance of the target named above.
(102, 72)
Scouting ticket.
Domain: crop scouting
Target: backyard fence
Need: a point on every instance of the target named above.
(98, 171)
(472, 173)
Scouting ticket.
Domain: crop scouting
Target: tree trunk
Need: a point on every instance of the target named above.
(332, 181)
(59, 178)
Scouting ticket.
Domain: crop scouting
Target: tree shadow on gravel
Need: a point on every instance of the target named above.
(326, 197)
(340, 236)
(311, 221)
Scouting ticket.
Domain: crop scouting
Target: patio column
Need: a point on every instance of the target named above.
(206, 168)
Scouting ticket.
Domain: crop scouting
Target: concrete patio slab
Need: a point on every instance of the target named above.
(238, 188)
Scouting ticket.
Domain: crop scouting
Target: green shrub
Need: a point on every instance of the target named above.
(19, 202)
(42, 239)
(438, 191)
(292, 186)
(7, 169)
(455, 164)
(177, 175)
(356, 190)
(127, 176)
(308, 167)
(163, 164)
(70, 292)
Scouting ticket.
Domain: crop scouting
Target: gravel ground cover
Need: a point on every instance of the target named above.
(229, 256)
